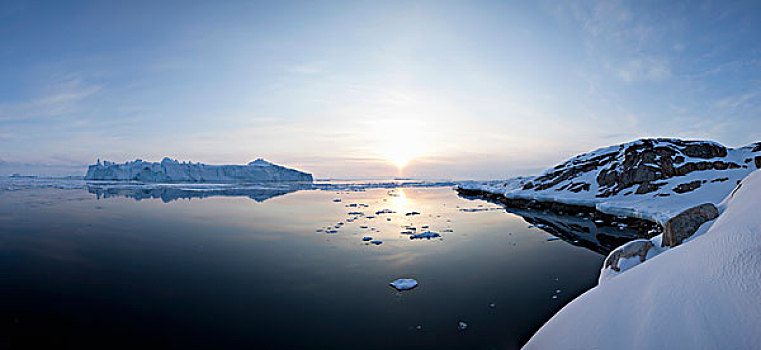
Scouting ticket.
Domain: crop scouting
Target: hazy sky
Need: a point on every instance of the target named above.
(461, 89)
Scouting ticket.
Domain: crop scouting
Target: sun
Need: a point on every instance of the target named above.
(401, 148)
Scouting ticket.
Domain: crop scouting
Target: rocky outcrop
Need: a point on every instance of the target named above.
(687, 187)
(684, 225)
(639, 167)
(638, 248)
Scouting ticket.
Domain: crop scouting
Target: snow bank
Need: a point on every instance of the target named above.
(581, 180)
(703, 294)
(169, 170)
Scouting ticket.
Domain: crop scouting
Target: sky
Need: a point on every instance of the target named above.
(448, 89)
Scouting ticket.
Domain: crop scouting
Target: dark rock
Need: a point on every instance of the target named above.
(704, 150)
(687, 187)
(678, 160)
(647, 187)
(758, 162)
(757, 147)
(684, 225)
(721, 179)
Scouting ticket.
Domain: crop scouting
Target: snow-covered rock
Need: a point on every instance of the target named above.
(703, 294)
(169, 170)
(652, 179)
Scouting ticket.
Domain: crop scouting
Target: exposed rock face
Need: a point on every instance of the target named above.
(758, 162)
(641, 166)
(687, 187)
(684, 225)
(637, 248)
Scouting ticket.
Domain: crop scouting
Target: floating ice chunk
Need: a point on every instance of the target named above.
(377, 242)
(319, 230)
(472, 210)
(404, 284)
(462, 325)
(337, 200)
(365, 239)
(419, 327)
(426, 234)
(412, 213)
(549, 239)
(424, 226)
(331, 231)
(384, 211)
(492, 305)
(357, 213)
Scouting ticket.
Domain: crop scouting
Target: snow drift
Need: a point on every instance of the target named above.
(169, 170)
(703, 294)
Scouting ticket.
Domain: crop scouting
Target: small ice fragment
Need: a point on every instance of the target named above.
(319, 230)
(426, 234)
(599, 221)
(462, 325)
(404, 284)
(557, 291)
(377, 242)
(331, 231)
(365, 239)
(337, 200)
(424, 226)
(412, 213)
(419, 327)
(554, 297)
(552, 238)
(384, 211)
(492, 305)
(363, 226)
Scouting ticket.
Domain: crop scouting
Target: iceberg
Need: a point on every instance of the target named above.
(170, 170)
(404, 284)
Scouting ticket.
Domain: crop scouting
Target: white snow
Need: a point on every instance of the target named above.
(703, 294)
(170, 170)
(649, 206)
(404, 284)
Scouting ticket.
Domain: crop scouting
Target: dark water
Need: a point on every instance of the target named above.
(237, 272)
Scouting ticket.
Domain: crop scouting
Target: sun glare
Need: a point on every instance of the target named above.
(401, 148)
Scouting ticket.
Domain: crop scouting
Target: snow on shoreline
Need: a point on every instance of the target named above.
(657, 206)
(701, 294)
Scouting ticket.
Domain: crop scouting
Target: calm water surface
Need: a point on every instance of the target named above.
(237, 272)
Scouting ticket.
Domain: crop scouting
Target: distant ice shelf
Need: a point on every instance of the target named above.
(170, 170)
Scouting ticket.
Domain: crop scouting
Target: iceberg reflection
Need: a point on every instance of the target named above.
(171, 192)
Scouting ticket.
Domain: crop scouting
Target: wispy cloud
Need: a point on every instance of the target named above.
(62, 97)
(643, 68)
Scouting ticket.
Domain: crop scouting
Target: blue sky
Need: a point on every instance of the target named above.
(455, 89)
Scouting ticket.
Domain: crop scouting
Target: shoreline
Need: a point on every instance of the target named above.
(647, 228)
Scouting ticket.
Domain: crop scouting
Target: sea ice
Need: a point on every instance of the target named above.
(426, 234)
(404, 284)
